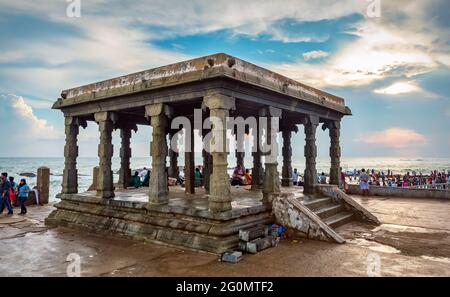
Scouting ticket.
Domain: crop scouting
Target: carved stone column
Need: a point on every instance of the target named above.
(173, 171)
(286, 172)
(240, 153)
(159, 115)
(271, 177)
(189, 162)
(70, 173)
(105, 187)
(125, 155)
(207, 161)
(310, 175)
(335, 152)
(257, 170)
(219, 106)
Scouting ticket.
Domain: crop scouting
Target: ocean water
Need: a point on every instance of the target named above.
(16, 166)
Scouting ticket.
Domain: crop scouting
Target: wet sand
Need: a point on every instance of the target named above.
(414, 240)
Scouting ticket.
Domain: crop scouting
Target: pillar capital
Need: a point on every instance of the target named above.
(311, 120)
(214, 100)
(75, 121)
(329, 124)
(105, 116)
(157, 109)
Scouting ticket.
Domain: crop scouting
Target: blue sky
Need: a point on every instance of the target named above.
(392, 70)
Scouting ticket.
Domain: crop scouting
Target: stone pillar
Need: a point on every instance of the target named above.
(189, 162)
(159, 120)
(43, 184)
(310, 175)
(105, 187)
(335, 152)
(271, 177)
(125, 155)
(93, 186)
(173, 171)
(219, 193)
(70, 173)
(286, 171)
(207, 162)
(257, 170)
(240, 158)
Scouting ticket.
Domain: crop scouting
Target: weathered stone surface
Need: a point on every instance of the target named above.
(159, 115)
(105, 217)
(93, 186)
(339, 196)
(219, 192)
(70, 173)
(173, 170)
(257, 170)
(189, 163)
(290, 213)
(271, 182)
(43, 184)
(335, 153)
(125, 155)
(310, 175)
(105, 187)
(286, 171)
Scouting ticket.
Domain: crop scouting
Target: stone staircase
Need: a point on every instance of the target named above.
(332, 213)
(317, 216)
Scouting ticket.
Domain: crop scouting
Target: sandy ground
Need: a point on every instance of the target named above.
(414, 240)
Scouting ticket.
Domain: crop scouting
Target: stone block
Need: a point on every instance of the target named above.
(43, 184)
(232, 257)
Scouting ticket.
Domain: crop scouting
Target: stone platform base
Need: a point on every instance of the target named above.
(191, 227)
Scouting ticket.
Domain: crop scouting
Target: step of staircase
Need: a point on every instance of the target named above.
(328, 210)
(333, 214)
(339, 219)
(316, 203)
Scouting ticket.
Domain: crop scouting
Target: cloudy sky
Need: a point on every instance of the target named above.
(392, 68)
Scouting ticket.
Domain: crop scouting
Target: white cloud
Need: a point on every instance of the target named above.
(396, 138)
(406, 87)
(20, 117)
(401, 87)
(315, 55)
(378, 52)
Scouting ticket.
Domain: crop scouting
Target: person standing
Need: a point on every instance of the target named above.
(4, 194)
(23, 190)
(143, 174)
(295, 177)
(364, 182)
(12, 191)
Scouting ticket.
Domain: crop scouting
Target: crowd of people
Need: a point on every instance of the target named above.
(13, 194)
(365, 178)
(390, 179)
